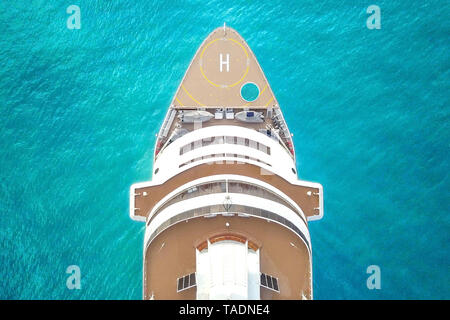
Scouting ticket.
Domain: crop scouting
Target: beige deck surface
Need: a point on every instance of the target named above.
(172, 255)
(205, 84)
(156, 193)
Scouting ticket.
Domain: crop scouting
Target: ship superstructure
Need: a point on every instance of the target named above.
(226, 215)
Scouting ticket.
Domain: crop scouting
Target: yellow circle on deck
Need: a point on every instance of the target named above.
(224, 85)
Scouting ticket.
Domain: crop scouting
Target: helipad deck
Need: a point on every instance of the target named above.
(219, 69)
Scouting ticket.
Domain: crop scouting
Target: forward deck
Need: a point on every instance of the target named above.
(223, 64)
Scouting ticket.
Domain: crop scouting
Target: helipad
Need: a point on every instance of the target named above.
(219, 69)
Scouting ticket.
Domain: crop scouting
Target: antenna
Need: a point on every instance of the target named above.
(224, 28)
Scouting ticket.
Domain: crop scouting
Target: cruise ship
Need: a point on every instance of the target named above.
(226, 216)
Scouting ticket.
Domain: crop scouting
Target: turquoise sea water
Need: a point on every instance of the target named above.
(79, 110)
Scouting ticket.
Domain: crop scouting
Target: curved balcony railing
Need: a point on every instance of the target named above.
(222, 186)
(224, 140)
(235, 209)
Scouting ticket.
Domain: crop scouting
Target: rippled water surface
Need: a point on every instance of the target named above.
(79, 110)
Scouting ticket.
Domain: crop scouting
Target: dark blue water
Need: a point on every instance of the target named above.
(79, 110)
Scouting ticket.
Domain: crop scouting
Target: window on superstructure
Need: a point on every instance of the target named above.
(225, 139)
(269, 282)
(186, 282)
(218, 155)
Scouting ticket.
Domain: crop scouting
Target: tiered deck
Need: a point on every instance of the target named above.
(267, 206)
